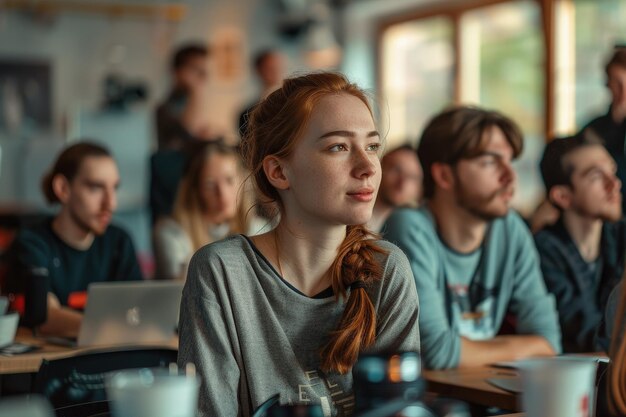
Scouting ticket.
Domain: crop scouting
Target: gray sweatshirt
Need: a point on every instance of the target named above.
(252, 335)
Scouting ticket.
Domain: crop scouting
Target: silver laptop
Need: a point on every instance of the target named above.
(130, 313)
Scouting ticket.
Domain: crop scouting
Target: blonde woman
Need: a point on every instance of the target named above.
(210, 205)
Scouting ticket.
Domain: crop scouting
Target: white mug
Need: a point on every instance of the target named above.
(558, 387)
(153, 392)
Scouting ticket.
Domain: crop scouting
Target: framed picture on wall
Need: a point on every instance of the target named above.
(25, 95)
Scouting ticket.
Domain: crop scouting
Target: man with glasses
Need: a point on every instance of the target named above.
(473, 258)
(582, 255)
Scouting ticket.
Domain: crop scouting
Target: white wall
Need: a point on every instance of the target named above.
(81, 49)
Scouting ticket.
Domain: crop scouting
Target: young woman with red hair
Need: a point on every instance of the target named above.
(289, 311)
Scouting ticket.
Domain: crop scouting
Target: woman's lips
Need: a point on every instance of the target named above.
(363, 195)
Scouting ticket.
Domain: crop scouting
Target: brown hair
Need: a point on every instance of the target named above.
(617, 368)
(458, 133)
(68, 164)
(188, 208)
(275, 126)
(618, 59)
(186, 53)
(553, 165)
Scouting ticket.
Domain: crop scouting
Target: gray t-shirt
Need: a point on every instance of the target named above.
(251, 335)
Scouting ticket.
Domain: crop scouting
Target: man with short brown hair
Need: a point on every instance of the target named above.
(181, 118)
(473, 258)
(53, 263)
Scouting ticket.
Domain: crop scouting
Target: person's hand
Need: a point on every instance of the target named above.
(618, 112)
(207, 132)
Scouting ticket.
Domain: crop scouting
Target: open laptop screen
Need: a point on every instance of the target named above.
(130, 313)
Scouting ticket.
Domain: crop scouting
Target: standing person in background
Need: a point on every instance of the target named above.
(54, 262)
(269, 66)
(582, 254)
(289, 311)
(612, 126)
(182, 117)
(401, 184)
(210, 205)
(473, 258)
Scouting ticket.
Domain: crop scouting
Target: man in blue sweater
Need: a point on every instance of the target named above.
(473, 258)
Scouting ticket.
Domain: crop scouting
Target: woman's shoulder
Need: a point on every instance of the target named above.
(168, 225)
(216, 263)
(229, 247)
(397, 276)
(392, 256)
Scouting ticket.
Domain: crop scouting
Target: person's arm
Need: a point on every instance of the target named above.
(534, 307)
(205, 341)
(502, 348)
(578, 316)
(440, 343)
(545, 215)
(127, 264)
(193, 117)
(61, 321)
(170, 252)
(29, 275)
(397, 316)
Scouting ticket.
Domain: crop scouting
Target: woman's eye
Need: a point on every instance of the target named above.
(338, 148)
(374, 147)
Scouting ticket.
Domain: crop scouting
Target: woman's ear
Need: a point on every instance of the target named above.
(274, 171)
(61, 188)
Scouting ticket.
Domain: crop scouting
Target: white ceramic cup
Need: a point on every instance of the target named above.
(8, 328)
(153, 392)
(558, 387)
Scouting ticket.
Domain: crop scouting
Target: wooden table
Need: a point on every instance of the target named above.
(470, 385)
(29, 362)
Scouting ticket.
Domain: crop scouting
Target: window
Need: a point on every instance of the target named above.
(541, 62)
(417, 75)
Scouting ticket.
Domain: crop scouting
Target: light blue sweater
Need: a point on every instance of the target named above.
(454, 301)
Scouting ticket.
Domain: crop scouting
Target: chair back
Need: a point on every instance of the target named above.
(81, 378)
(91, 409)
(166, 170)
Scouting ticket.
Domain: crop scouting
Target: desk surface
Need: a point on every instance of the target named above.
(30, 362)
(470, 385)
